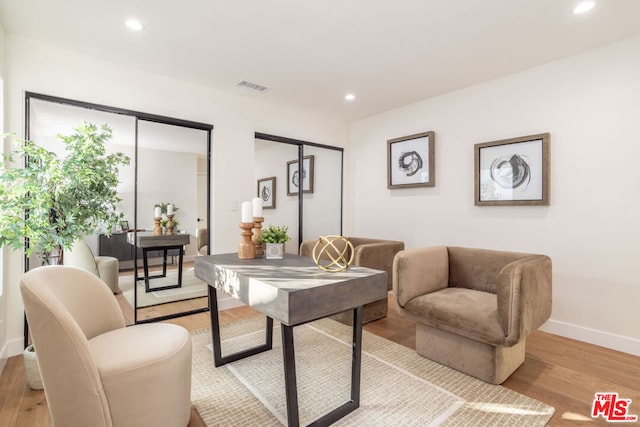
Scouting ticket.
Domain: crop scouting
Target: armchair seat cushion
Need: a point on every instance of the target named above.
(467, 312)
(151, 362)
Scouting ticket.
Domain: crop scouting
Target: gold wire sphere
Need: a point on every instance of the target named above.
(325, 247)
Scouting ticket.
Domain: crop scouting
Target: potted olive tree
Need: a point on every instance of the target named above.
(53, 201)
(274, 237)
(50, 202)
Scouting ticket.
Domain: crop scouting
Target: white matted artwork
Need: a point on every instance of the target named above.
(300, 177)
(411, 161)
(513, 171)
(267, 192)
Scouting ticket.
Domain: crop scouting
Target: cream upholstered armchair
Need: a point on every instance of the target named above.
(105, 267)
(97, 372)
(372, 253)
(473, 307)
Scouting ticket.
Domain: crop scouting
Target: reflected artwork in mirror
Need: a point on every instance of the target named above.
(317, 210)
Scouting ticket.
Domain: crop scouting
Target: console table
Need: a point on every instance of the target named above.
(148, 241)
(293, 291)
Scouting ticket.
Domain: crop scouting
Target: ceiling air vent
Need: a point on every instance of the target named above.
(252, 86)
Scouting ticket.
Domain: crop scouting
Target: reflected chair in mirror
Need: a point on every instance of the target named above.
(473, 308)
(367, 252)
(105, 267)
(97, 372)
(202, 239)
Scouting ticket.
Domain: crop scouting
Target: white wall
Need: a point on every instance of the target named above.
(43, 68)
(590, 104)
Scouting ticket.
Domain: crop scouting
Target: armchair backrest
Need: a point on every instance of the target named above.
(80, 255)
(371, 253)
(202, 238)
(377, 254)
(65, 307)
(478, 269)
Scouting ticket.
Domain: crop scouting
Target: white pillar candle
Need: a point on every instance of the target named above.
(257, 207)
(247, 210)
(157, 212)
(169, 209)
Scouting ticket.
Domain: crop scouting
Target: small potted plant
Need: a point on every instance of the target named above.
(274, 237)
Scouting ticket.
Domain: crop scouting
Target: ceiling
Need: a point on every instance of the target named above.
(311, 53)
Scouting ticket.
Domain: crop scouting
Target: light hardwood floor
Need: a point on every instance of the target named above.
(559, 371)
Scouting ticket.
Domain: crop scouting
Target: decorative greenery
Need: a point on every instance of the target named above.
(54, 201)
(163, 207)
(163, 211)
(275, 234)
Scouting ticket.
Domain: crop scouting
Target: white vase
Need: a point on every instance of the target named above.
(34, 380)
(274, 251)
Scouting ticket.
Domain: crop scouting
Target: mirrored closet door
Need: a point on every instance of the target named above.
(169, 167)
(301, 184)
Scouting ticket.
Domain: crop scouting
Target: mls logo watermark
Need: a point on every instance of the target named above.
(612, 408)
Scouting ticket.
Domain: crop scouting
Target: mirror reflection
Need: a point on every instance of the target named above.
(169, 167)
(171, 226)
(317, 209)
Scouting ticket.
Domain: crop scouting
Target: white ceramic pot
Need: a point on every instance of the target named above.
(274, 251)
(34, 380)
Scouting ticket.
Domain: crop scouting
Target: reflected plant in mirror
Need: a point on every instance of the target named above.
(53, 201)
(166, 209)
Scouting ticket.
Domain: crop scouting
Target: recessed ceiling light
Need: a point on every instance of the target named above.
(134, 24)
(584, 6)
(349, 97)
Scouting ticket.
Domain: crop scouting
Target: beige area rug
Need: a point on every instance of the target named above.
(399, 387)
(192, 287)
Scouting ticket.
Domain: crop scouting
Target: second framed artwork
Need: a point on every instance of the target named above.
(512, 171)
(411, 161)
(267, 192)
(300, 177)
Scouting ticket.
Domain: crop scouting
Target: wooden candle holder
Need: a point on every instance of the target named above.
(246, 248)
(157, 229)
(257, 232)
(170, 224)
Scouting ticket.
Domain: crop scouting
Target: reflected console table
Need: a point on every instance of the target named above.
(293, 291)
(148, 242)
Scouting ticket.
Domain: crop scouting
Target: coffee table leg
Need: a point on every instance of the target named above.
(291, 386)
(218, 359)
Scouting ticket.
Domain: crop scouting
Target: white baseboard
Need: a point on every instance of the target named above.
(12, 348)
(593, 336)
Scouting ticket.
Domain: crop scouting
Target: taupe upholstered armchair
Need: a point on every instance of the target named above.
(372, 253)
(473, 307)
(202, 239)
(105, 267)
(97, 372)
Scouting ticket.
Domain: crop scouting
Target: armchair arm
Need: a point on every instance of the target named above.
(306, 247)
(379, 256)
(419, 271)
(524, 296)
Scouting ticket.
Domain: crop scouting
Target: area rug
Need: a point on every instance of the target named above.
(192, 287)
(399, 387)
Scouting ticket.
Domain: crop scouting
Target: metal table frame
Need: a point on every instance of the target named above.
(288, 351)
(145, 264)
